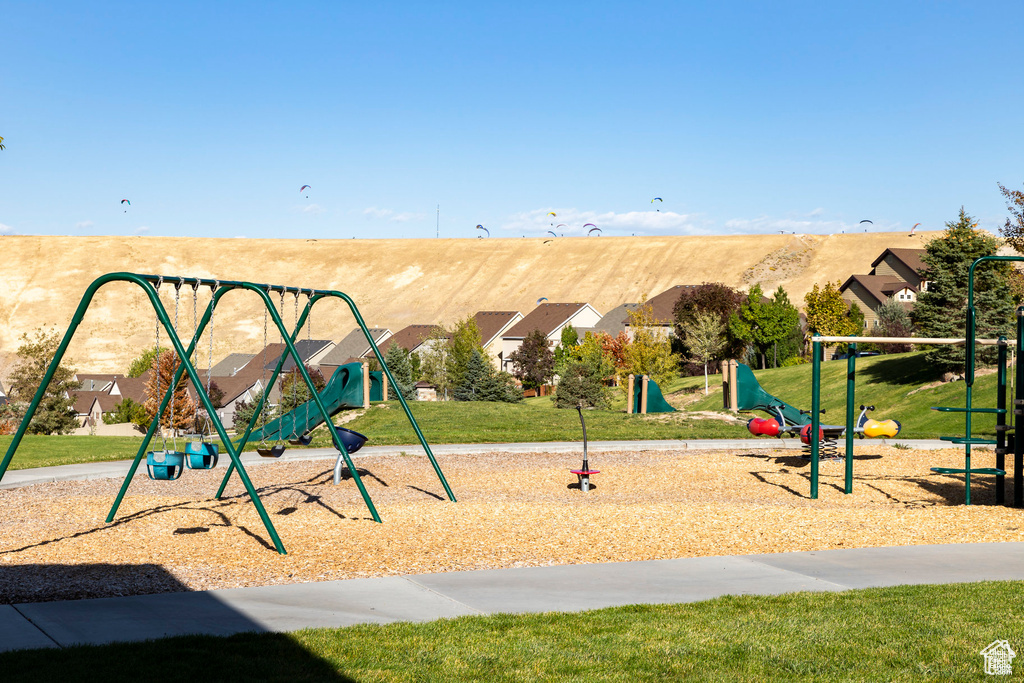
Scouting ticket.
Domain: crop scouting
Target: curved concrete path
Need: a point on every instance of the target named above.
(540, 589)
(565, 588)
(119, 468)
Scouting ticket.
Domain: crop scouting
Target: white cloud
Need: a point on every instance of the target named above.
(141, 230)
(311, 209)
(572, 221)
(392, 215)
(6, 229)
(84, 225)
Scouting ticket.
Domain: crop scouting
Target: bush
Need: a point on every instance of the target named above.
(580, 382)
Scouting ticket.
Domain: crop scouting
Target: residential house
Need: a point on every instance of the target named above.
(311, 351)
(895, 274)
(410, 338)
(352, 348)
(550, 319)
(613, 322)
(492, 325)
(663, 310)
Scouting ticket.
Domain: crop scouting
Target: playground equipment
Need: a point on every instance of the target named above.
(584, 472)
(645, 396)
(149, 284)
(1006, 440)
(744, 392)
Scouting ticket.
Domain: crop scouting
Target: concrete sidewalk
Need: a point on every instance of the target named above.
(119, 468)
(566, 588)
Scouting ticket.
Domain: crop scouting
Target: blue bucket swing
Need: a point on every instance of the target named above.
(203, 454)
(165, 465)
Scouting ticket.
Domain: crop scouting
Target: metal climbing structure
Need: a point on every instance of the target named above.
(150, 285)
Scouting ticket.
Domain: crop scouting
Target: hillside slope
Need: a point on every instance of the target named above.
(394, 282)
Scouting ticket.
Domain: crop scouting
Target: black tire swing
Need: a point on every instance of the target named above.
(278, 449)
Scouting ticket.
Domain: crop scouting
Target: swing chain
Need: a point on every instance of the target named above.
(156, 370)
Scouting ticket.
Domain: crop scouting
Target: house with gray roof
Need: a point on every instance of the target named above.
(550, 319)
(352, 348)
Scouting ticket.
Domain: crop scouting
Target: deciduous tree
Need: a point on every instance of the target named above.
(181, 411)
(706, 335)
(55, 413)
(533, 363)
(649, 353)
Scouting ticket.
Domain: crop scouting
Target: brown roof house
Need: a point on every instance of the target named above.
(662, 306)
(492, 325)
(550, 319)
(410, 338)
(896, 274)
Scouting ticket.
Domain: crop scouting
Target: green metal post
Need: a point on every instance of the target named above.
(1001, 421)
(815, 406)
(851, 370)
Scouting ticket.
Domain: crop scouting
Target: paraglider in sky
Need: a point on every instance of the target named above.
(553, 233)
(562, 225)
(480, 227)
(552, 213)
(543, 298)
(659, 200)
(913, 229)
(125, 201)
(867, 221)
(591, 231)
(305, 187)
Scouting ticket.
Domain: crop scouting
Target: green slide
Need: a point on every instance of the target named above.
(344, 390)
(750, 396)
(656, 403)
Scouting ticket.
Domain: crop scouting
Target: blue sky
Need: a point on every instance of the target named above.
(743, 117)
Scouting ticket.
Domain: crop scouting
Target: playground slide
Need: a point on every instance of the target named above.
(656, 403)
(344, 390)
(750, 396)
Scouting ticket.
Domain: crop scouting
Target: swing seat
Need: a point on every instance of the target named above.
(201, 455)
(165, 465)
(303, 440)
(275, 451)
(352, 440)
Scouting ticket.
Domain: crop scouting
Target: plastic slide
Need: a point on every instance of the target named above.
(750, 396)
(344, 390)
(656, 403)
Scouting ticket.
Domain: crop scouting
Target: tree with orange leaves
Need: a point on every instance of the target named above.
(182, 408)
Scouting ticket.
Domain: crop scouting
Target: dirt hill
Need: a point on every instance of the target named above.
(394, 282)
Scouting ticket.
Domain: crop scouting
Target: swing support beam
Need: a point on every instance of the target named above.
(149, 283)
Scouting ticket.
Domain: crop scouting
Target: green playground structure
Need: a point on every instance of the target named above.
(646, 396)
(750, 396)
(167, 465)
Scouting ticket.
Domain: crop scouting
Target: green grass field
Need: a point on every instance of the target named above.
(892, 383)
(889, 634)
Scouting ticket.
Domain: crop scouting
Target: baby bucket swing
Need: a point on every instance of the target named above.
(203, 454)
(165, 465)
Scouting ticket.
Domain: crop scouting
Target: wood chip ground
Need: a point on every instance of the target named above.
(513, 510)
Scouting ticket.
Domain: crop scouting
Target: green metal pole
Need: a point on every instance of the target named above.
(1001, 421)
(401, 399)
(851, 371)
(815, 406)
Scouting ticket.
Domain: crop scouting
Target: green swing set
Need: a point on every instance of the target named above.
(168, 464)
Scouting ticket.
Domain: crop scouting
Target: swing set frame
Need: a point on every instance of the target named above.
(149, 283)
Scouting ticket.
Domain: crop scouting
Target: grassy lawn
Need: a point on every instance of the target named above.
(889, 634)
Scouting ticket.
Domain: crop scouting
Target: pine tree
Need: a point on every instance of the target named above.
(55, 412)
(397, 360)
(478, 370)
(940, 311)
(180, 413)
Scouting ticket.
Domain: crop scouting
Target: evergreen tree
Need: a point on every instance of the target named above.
(533, 363)
(582, 375)
(55, 413)
(397, 360)
(894, 321)
(478, 369)
(941, 310)
(465, 339)
(499, 386)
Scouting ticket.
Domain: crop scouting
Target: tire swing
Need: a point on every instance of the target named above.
(276, 450)
(296, 438)
(165, 465)
(203, 454)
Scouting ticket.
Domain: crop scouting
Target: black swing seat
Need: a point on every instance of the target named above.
(275, 451)
(303, 440)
